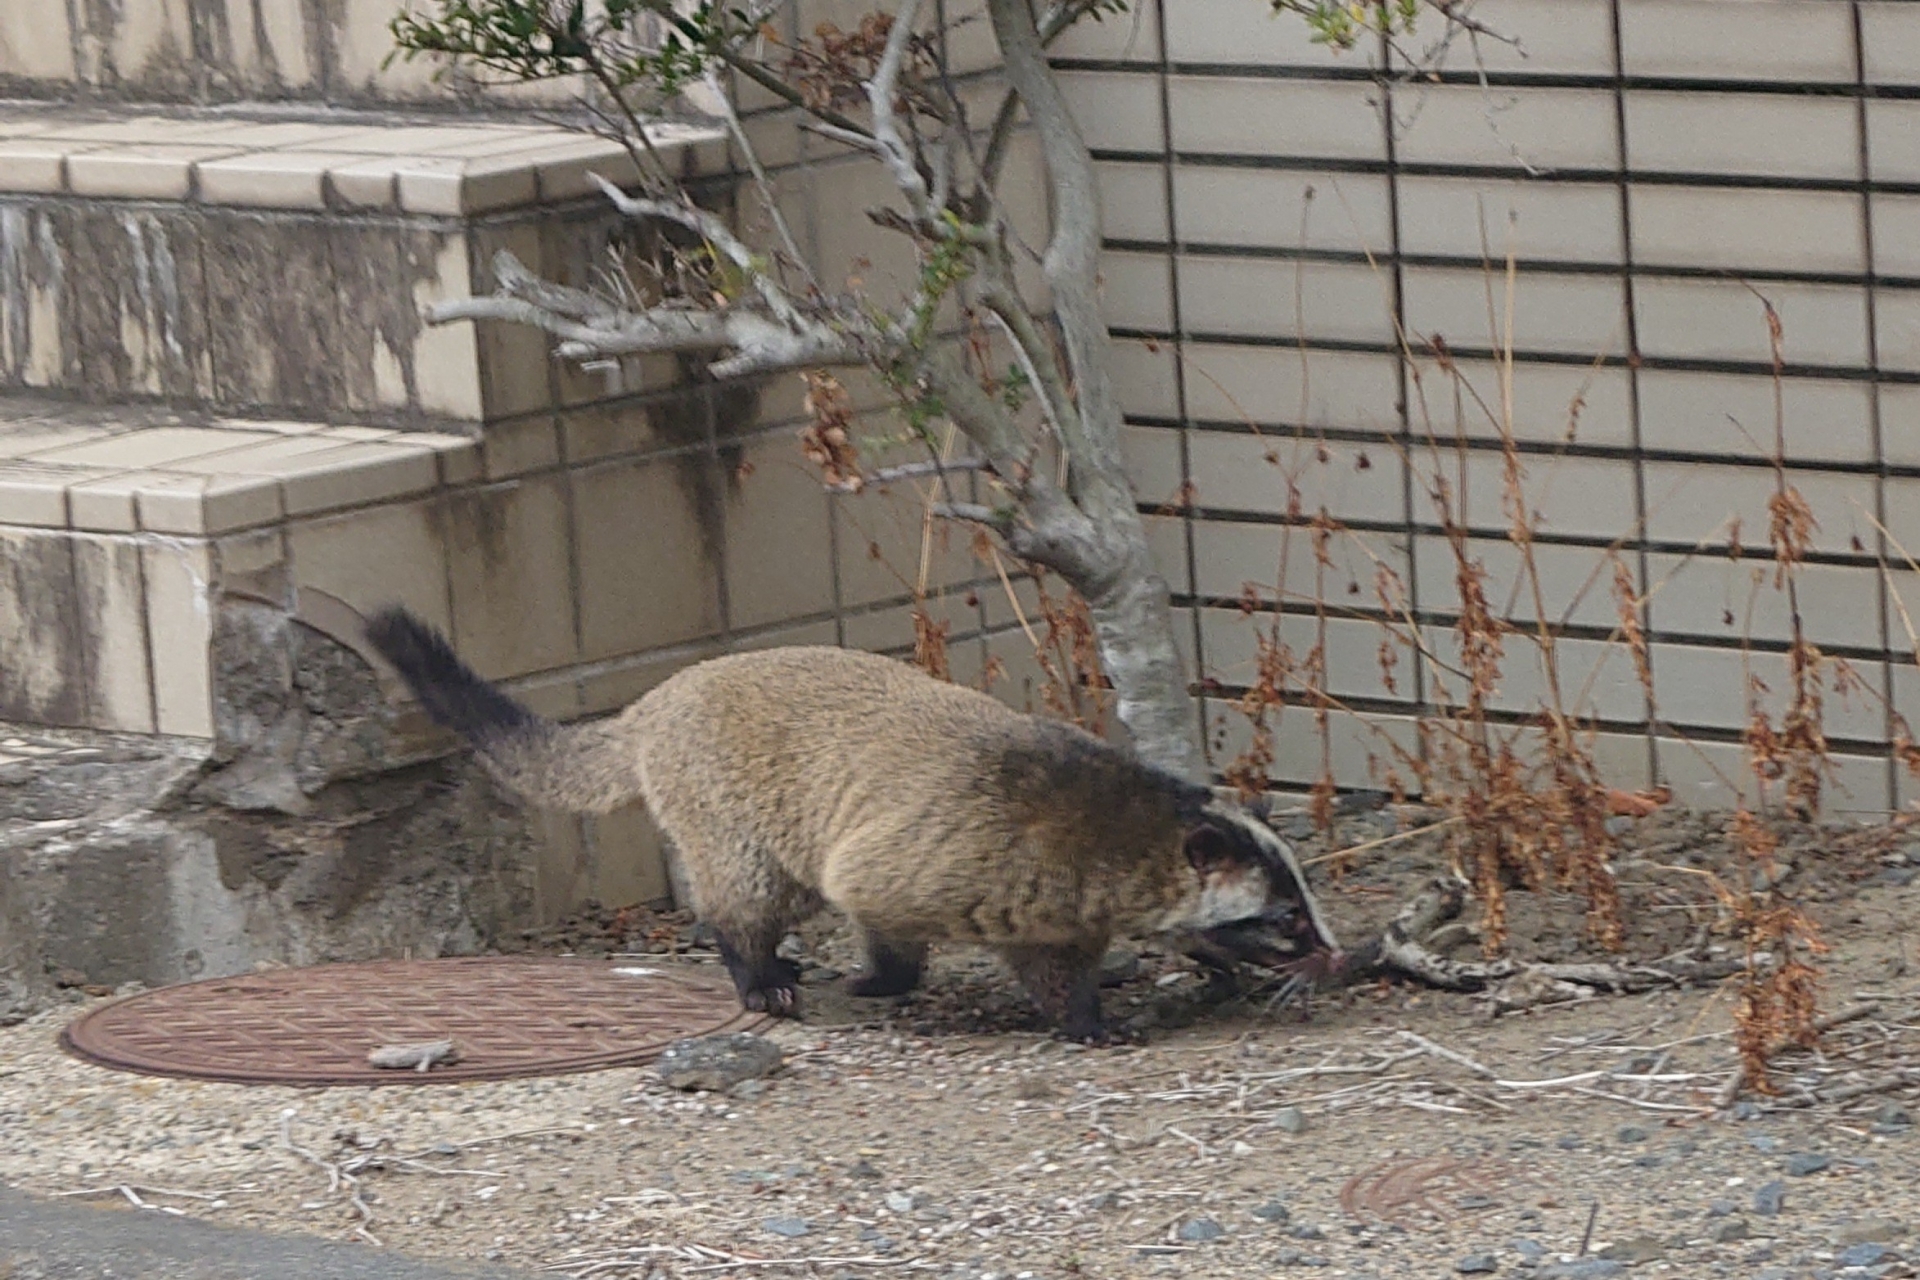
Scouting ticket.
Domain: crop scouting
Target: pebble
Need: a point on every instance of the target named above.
(1529, 1250)
(1721, 1208)
(1770, 1199)
(1290, 1120)
(1273, 1211)
(717, 1063)
(1582, 1269)
(1632, 1133)
(862, 1170)
(1728, 1230)
(1635, 1251)
(1862, 1255)
(902, 1202)
(788, 1227)
(1802, 1163)
(1196, 1230)
(1295, 1258)
(1477, 1264)
(749, 1090)
(1307, 1231)
(1869, 1231)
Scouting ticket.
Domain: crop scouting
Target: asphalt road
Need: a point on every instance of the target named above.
(66, 1240)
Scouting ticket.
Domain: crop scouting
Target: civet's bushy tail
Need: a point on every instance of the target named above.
(579, 768)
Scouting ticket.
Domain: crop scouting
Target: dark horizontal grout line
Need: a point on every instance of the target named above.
(1287, 433)
(1676, 364)
(1481, 533)
(1373, 706)
(1496, 78)
(1446, 620)
(1526, 266)
(1505, 172)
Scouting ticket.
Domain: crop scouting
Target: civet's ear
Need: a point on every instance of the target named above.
(1209, 848)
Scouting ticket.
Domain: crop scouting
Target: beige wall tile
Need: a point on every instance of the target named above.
(879, 540)
(1900, 425)
(779, 556)
(509, 565)
(519, 445)
(1229, 556)
(1570, 495)
(1224, 34)
(1136, 291)
(1275, 298)
(1235, 116)
(1896, 234)
(36, 43)
(1581, 316)
(1826, 419)
(31, 166)
(1902, 518)
(1687, 502)
(106, 505)
(151, 172)
(1715, 598)
(647, 537)
(1582, 402)
(1143, 377)
(179, 575)
(1897, 312)
(392, 554)
(1283, 208)
(1576, 583)
(1152, 457)
(1708, 688)
(43, 669)
(1563, 37)
(514, 359)
(1769, 134)
(1254, 473)
(1757, 40)
(1270, 385)
(1133, 201)
(357, 473)
(190, 504)
(112, 593)
(1486, 220)
(1116, 111)
(33, 493)
(159, 447)
(1748, 229)
(1508, 128)
(1893, 150)
(612, 685)
(271, 179)
(1352, 651)
(591, 432)
(446, 357)
(1722, 320)
(1890, 41)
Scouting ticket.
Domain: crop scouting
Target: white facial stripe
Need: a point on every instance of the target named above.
(1268, 840)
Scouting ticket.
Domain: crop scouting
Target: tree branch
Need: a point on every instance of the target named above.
(1058, 18)
(892, 148)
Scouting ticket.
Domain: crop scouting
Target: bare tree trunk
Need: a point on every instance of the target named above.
(1113, 571)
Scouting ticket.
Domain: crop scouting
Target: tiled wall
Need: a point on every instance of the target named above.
(1277, 216)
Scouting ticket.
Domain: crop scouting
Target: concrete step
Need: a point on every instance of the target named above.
(277, 261)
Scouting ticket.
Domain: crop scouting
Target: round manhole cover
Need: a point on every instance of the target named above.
(507, 1016)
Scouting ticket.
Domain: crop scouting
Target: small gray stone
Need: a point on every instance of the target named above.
(717, 1063)
(1721, 1208)
(862, 1170)
(902, 1202)
(1104, 1200)
(1273, 1211)
(1900, 877)
(1867, 1254)
(1869, 1230)
(1119, 965)
(1582, 1269)
(1770, 1199)
(1295, 1258)
(788, 1227)
(1727, 1230)
(1197, 1230)
(1746, 1111)
(1632, 1133)
(1477, 1264)
(1635, 1251)
(1307, 1231)
(1765, 1143)
(1892, 1113)
(1529, 1250)
(1802, 1163)
(1290, 1120)
(749, 1090)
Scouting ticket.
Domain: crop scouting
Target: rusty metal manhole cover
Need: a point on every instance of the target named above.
(508, 1016)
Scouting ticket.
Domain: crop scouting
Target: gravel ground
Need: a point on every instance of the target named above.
(1395, 1133)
